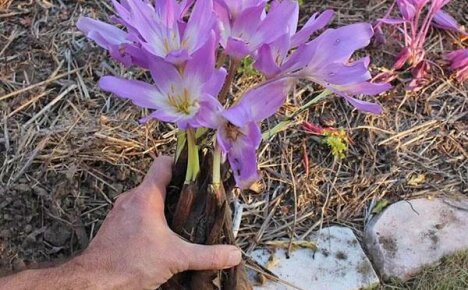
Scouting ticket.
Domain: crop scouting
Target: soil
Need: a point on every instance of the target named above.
(61, 169)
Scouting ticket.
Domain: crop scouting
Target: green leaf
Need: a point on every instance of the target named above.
(338, 142)
(246, 67)
(379, 207)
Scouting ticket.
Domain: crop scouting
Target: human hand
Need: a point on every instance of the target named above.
(136, 249)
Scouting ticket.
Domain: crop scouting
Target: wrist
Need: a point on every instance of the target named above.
(99, 273)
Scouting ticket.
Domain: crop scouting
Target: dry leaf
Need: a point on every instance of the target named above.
(257, 187)
(272, 262)
(416, 180)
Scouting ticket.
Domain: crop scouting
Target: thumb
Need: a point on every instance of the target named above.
(215, 257)
(159, 175)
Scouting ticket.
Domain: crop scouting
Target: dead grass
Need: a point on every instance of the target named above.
(68, 149)
(451, 273)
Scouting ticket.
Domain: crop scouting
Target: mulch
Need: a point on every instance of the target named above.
(68, 149)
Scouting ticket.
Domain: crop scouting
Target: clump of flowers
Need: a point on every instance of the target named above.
(413, 24)
(190, 46)
(192, 50)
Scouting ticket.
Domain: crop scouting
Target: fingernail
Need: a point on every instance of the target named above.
(235, 257)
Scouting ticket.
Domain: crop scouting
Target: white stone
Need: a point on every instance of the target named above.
(411, 234)
(338, 264)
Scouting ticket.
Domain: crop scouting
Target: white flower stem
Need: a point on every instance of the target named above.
(216, 166)
(193, 164)
(181, 139)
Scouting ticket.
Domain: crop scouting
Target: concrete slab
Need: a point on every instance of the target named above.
(338, 264)
(411, 234)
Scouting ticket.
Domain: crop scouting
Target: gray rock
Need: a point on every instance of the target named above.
(411, 234)
(338, 264)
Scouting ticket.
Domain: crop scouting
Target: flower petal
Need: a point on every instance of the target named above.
(313, 24)
(199, 25)
(215, 84)
(202, 64)
(407, 9)
(237, 48)
(265, 61)
(274, 23)
(140, 93)
(104, 34)
(164, 74)
(259, 104)
(243, 160)
(337, 45)
(364, 106)
(343, 73)
(364, 88)
(445, 21)
(178, 56)
(209, 115)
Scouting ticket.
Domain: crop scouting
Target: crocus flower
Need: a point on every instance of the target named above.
(160, 29)
(245, 25)
(443, 20)
(113, 39)
(327, 62)
(407, 9)
(272, 57)
(416, 19)
(175, 96)
(459, 63)
(419, 73)
(238, 131)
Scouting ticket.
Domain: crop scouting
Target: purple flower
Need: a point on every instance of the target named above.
(407, 9)
(158, 29)
(113, 39)
(419, 73)
(245, 25)
(238, 131)
(402, 58)
(445, 21)
(416, 19)
(272, 57)
(177, 95)
(326, 61)
(459, 63)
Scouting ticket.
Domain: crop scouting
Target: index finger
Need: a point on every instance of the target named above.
(159, 175)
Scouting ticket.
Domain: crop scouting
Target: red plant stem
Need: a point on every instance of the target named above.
(306, 159)
(230, 78)
(424, 29)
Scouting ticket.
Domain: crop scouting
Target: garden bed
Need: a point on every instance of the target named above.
(68, 149)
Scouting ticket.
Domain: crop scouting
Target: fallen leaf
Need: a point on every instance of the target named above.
(272, 262)
(379, 207)
(257, 187)
(416, 180)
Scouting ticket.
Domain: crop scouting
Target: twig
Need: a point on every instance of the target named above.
(407, 132)
(33, 100)
(12, 94)
(28, 163)
(49, 105)
(12, 37)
